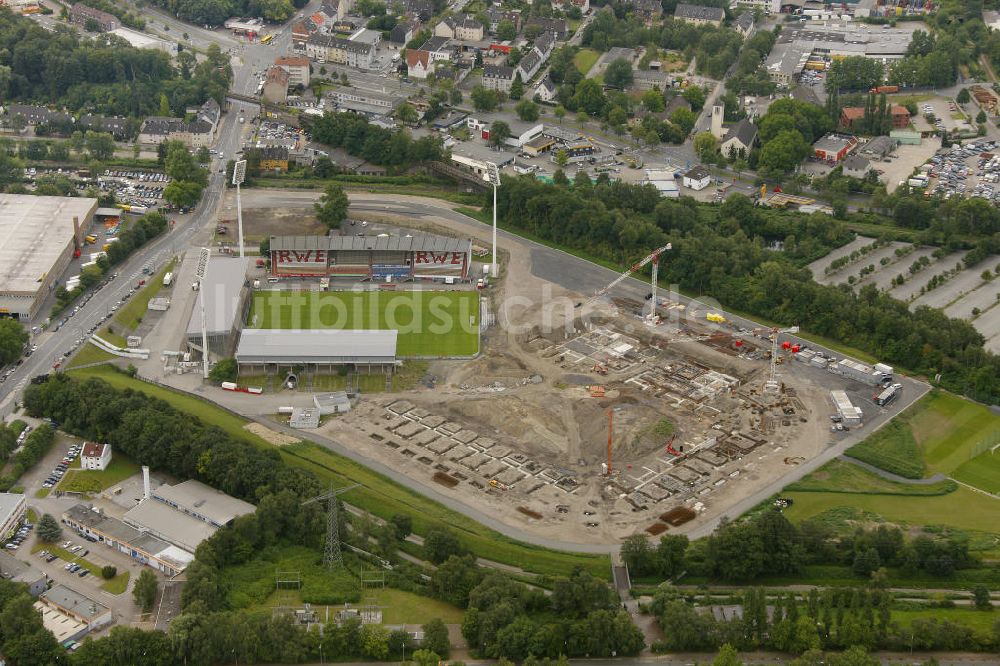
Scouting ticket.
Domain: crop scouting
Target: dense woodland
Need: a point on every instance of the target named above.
(102, 74)
(215, 12)
(720, 251)
(391, 148)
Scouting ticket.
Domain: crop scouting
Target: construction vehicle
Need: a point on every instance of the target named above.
(772, 385)
(600, 368)
(670, 446)
(498, 485)
(653, 257)
(715, 317)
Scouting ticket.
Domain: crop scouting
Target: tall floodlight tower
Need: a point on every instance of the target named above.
(493, 177)
(239, 175)
(200, 272)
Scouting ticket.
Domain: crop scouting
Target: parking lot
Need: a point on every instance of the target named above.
(969, 170)
(137, 189)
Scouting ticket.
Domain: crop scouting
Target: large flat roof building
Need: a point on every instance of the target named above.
(272, 348)
(13, 507)
(796, 46)
(203, 503)
(37, 239)
(225, 305)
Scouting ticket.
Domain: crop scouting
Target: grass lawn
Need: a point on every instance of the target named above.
(253, 584)
(90, 353)
(116, 585)
(983, 472)
(981, 622)
(429, 323)
(113, 337)
(401, 607)
(379, 494)
(892, 448)
(135, 308)
(952, 430)
(838, 476)
(94, 481)
(585, 59)
(42, 493)
(32, 516)
(964, 509)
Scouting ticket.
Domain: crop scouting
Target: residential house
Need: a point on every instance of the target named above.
(559, 26)
(545, 44)
(529, 65)
(118, 126)
(199, 132)
(333, 49)
(744, 24)
(546, 90)
(300, 33)
(648, 10)
(95, 456)
(403, 32)
(419, 63)
(81, 14)
(276, 85)
(273, 158)
(498, 77)
(420, 9)
(495, 16)
(766, 6)
(297, 68)
(337, 9)
(582, 5)
(464, 28)
(647, 79)
(739, 140)
(697, 178)
(700, 15)
(856, 166)
(33, 116)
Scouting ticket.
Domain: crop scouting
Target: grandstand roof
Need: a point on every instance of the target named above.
(300, 346)
(421, 242)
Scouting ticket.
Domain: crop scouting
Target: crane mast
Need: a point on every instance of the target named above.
(654, 257)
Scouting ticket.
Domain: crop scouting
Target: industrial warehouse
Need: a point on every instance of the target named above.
(38, 236)
(421, 256)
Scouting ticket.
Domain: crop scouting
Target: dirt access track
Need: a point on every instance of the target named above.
(520, 433)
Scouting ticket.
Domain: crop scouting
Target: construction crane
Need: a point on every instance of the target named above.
(653, 257)
(331, 553)
(771, 385)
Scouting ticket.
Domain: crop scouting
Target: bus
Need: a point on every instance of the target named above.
(266, 39)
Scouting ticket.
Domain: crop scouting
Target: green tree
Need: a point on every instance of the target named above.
(403, 524)
(144, 591)
(375, 642)
(13, 338)
(981, 595)
(727, 657)
(559, 178)
(516, 87)
(963, 96)
(562, 158)
(695, 95)
(619, 74)
(100, 145)
(484, 99)
(108, 572)
(425, 658)
(705, 146)
(499, 133)
(441, 543)
(224, 370)
(180, 164)
(436, 638)
(527, 110)
(407, 113)
(589, 97)
(637, 555)
(653, 101)
(981, 117)
(332, 206)
(560, 113)
(49, 529)
(182, 193)
(164, 109)
(506, 30)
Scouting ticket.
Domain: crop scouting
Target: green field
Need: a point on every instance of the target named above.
(378, 494)
(981, 622)
(401, 607)
(254, 584)
(585, 59)
(941, 433)
(838, 476)
(430, 324)
(93, 481)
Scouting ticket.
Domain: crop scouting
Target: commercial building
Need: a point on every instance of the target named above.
(337, 402)
(834, 147)
(856, 166)
(95, 456)
(851, 117)
(273, 158)
(297, 68)
(540, 144)
(70, 615)
(369, 102)
(16, 571)
(12, 511)
(664, 182)
(878, 148)
(475, 157)
(185, 514)
(766, 6)
(375, 257)
(37, 238)
(142, 40)
(269, 350)
(275, 85)
(697, 178)
(137, 544)
(84, 16)
(847, 411)
(226, 301)
(865, 374)
(796, 46)
(647, 79)
(699, 14)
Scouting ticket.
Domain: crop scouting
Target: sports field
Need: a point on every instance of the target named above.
(430, 323)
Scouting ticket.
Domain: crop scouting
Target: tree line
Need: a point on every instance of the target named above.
(103, 74)
(720, 251)
(393, 148)
(215, 12)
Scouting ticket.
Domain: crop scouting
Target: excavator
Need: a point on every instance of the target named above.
(670, 446)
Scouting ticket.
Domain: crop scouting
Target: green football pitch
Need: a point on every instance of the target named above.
(430, 323)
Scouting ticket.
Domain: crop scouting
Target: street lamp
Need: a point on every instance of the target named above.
(492, 176)
(239, 174)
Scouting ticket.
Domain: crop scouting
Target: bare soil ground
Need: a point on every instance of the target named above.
(261, 223)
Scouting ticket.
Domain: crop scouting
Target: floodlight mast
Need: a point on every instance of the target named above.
(492, 176)
(239, 175)
(206, 254)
